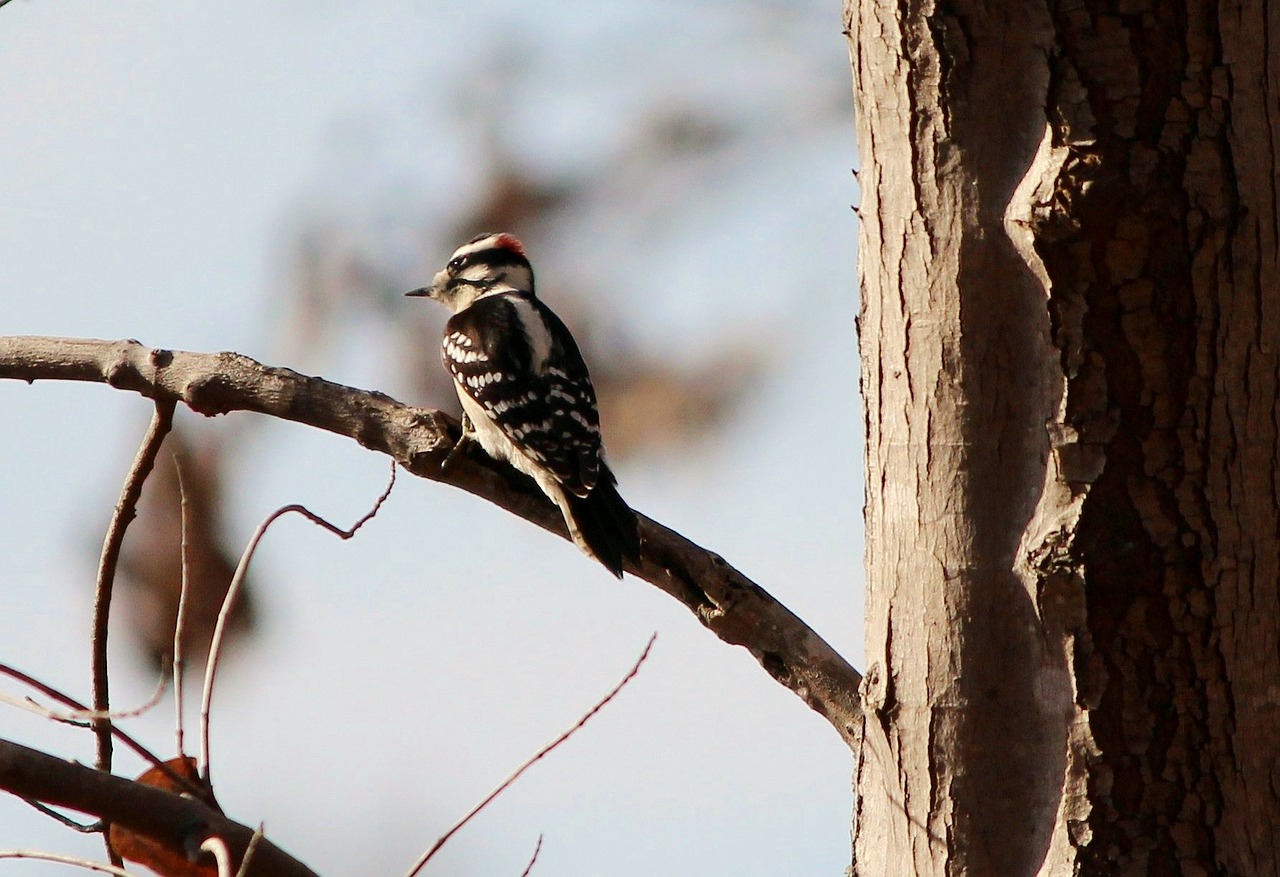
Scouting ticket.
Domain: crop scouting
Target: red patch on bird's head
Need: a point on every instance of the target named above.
(508, 242)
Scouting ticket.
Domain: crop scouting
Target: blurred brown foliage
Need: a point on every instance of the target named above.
(151, 558)
(647, 403)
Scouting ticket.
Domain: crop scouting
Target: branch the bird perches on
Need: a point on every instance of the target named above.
(730, 605)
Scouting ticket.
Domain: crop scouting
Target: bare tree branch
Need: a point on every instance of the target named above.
(732, 606)
(179, 822)
(125, 511)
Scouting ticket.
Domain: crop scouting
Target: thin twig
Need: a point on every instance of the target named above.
(179, 622)
(258, 834)
(538, 756)
(126, 508)
(65, 860)
(142, 751)
(536, 849)
(221, 854)
(32, 706)
(82, 716)
(91, 828)
(233, 591)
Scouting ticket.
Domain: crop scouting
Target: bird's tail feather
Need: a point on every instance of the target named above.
(605, 527)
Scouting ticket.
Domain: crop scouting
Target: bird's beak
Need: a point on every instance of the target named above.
(437, 288)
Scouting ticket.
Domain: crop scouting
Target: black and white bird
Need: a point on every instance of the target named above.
(526, 395)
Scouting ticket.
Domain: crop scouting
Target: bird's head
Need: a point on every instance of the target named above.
(487, 264)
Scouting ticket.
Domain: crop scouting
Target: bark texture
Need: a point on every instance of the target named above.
(1071, 360)
(954, 337)
(1160, 243)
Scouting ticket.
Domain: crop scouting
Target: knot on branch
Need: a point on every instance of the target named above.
(776, 666)
(121, 371)
(209, 394)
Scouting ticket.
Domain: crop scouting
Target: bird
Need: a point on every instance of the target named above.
(526, 394)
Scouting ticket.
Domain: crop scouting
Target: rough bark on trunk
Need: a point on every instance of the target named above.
(1070, 337)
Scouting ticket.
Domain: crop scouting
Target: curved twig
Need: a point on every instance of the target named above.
(83, 717)
(94, 827)
(233, 591)
(125, 510)
(218, 847)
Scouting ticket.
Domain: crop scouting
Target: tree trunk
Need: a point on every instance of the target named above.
(1070, 338)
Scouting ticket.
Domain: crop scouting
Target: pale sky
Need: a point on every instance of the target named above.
(153, 157)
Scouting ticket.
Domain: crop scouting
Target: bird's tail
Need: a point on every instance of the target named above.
(604, 526)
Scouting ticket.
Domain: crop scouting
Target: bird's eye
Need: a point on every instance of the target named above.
(457, 262)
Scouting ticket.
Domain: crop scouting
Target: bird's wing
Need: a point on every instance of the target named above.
(549, 413)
